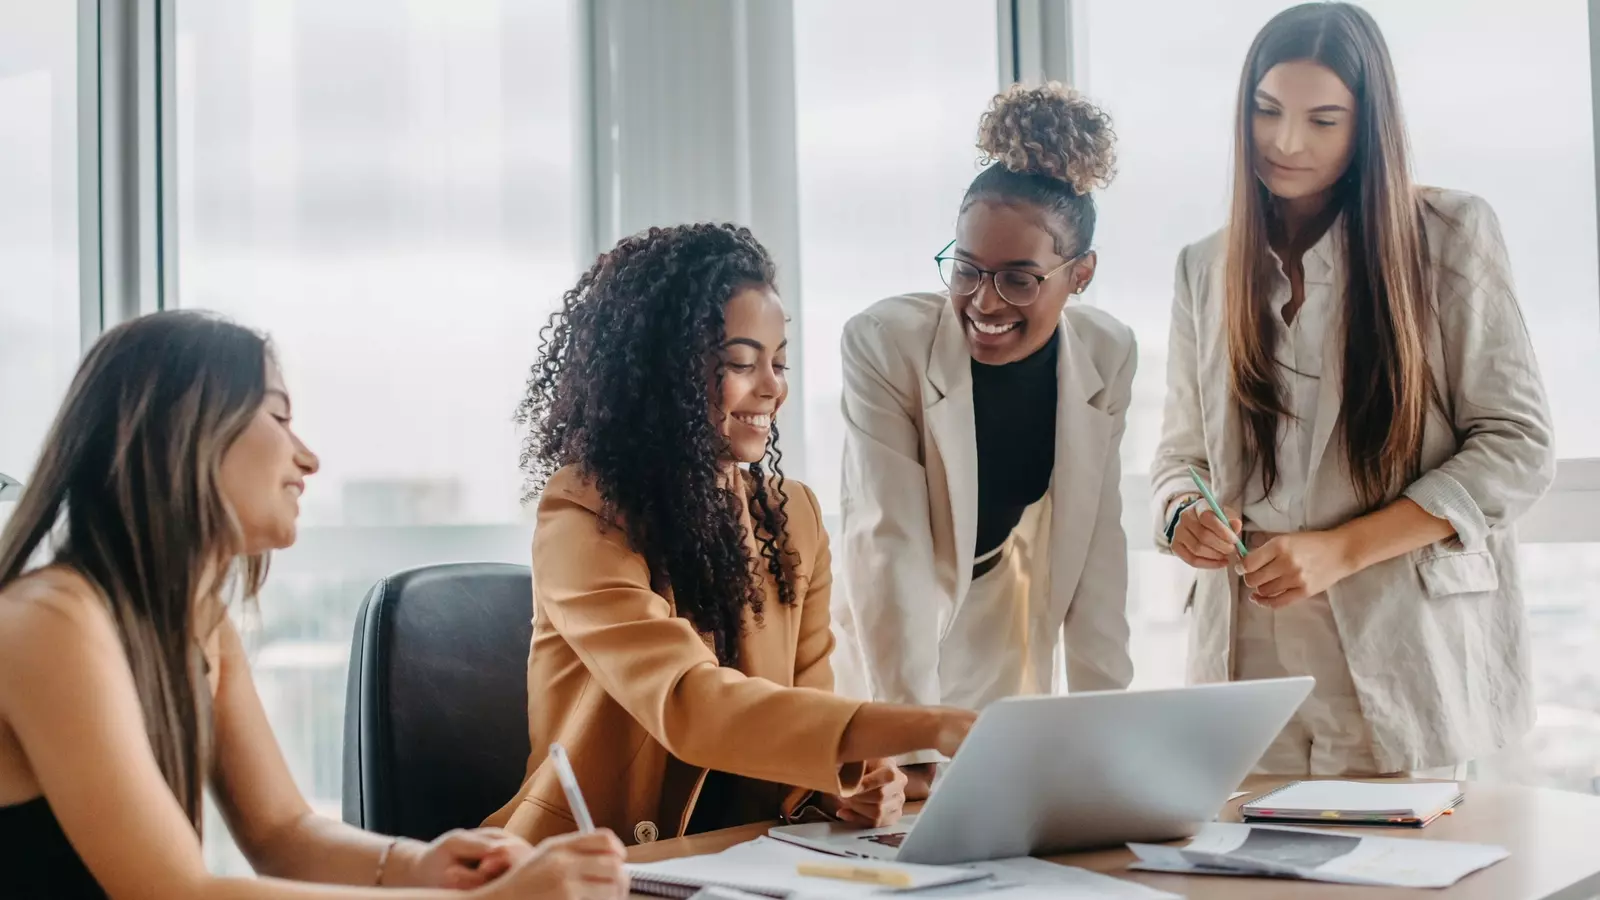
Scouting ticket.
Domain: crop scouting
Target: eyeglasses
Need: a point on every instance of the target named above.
(1017, 287)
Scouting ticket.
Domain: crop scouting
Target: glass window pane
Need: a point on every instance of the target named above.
(386, 188)
(39, 312)
(888, 96)
(1564, 749)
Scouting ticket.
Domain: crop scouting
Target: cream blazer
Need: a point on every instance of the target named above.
(910, 505)
(1436, 639)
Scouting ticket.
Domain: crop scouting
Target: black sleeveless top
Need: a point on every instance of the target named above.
(37, 860)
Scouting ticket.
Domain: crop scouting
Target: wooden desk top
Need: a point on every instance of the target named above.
(1553, 836)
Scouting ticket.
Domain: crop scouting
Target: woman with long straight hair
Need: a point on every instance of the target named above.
(1350, 369)
(170, 473)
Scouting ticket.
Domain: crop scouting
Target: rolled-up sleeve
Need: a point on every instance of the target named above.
(1495, 395)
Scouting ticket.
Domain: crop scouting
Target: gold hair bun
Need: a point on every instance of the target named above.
(1050, 130)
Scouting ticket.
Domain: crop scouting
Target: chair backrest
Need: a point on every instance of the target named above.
(436, 711)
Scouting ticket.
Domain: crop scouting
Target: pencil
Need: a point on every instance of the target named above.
(1211, 501)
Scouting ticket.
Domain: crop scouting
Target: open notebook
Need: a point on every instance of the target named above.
(770, 868)
(1354, 803)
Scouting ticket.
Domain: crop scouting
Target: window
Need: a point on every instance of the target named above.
(1167, 73)
(888, 96)
(39, 312)
(386, 189)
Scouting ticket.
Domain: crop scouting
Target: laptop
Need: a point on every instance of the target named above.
(1042, 775)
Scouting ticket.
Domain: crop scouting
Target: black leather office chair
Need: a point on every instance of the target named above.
(436, 712)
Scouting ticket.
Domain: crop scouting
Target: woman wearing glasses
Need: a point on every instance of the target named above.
(981, 510)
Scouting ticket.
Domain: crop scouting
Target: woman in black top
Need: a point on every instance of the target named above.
(982, 537)
(170, 472)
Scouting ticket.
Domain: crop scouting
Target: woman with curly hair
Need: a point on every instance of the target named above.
(982, 514)
(681, 585)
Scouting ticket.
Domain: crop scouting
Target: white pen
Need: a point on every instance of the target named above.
(569, 784)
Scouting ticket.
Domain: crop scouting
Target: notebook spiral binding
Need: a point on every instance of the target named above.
(684, 888)
(1261, 800)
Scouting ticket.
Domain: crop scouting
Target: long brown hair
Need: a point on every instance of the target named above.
(1388, 297)
(128, 483)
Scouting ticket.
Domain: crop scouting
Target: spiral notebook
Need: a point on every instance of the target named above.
(1354, 803)
(769, 868)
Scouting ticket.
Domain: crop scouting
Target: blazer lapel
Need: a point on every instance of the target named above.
(953, 434)
(1083, 436)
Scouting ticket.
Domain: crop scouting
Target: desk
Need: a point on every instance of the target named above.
(1553, 836)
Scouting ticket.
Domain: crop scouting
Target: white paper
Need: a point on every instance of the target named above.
(1027, 878)
(1269, 850)
(766, 866)
(725, 893)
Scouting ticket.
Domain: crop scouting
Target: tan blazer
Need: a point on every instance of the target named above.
(1436, 639)
(637, 696)
(910, 505)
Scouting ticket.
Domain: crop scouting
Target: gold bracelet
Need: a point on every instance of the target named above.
(383, 860)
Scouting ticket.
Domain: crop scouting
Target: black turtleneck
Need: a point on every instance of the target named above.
(1014, 411)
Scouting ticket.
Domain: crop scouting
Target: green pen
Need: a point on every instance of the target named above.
(1217, 508)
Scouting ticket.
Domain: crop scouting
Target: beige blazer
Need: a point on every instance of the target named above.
(910, 504)
(1436, 639)
(637, 698)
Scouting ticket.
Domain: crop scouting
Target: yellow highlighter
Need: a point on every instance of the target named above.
(885, 877)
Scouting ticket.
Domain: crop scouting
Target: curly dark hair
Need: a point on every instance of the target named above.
(620, 391)
(1051, 149)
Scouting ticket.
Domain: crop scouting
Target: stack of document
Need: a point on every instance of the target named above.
(1354, 803)
(1231, 849)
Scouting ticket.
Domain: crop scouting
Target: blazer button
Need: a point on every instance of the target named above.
(645, 833)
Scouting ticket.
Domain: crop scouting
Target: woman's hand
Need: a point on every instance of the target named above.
(458, 859)
(919, 780)
(569, 867)
(1292, 567)
(880, 801)
(1202, 540)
